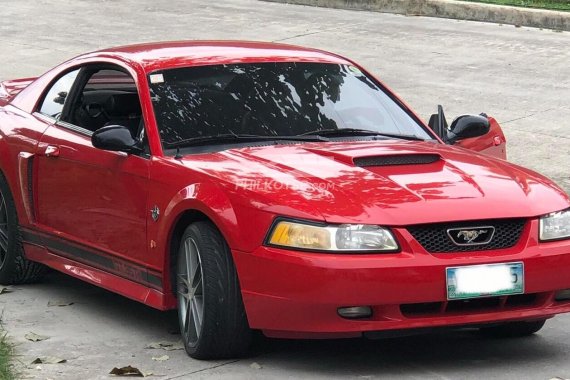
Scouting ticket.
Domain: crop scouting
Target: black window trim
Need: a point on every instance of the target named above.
(74, 128)
(56, 122)
(46, 118)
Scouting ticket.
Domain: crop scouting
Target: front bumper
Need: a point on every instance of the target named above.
(297, 294)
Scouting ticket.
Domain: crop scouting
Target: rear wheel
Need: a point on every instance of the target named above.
(211, 314)
(14, 267)
(513, 329)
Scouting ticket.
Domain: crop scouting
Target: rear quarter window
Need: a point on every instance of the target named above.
(53, 101)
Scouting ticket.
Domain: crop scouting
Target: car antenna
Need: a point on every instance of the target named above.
(178, 156)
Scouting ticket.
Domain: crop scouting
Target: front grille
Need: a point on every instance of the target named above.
(470, 306)
(396, 159)
(434, 238)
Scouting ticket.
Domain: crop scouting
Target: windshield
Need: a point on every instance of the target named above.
(272, 99)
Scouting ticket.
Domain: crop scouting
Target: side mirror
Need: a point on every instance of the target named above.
(60, 98)
(468, 126)
(115, 138)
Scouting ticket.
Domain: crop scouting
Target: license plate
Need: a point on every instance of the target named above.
(484, 280)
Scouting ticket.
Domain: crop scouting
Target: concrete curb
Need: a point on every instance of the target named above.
(460, 10)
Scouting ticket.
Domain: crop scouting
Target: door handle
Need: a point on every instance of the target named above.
(51, 151)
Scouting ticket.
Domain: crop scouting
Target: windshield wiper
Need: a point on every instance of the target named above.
(358, 132)
(233, 138)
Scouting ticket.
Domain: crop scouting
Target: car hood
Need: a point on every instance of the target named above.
(408, 182)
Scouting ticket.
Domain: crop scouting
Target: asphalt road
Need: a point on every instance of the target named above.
(519, 75)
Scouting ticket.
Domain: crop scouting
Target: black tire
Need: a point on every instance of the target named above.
(513, 329)
(14, 267)
(223, 331)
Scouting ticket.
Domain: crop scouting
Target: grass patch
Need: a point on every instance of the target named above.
(6, 351)
(555, 5)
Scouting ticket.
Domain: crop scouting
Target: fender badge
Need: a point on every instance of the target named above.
(155, 213)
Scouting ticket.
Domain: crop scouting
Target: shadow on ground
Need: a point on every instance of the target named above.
(443, 352)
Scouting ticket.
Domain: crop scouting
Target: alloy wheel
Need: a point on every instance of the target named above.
(190, 292)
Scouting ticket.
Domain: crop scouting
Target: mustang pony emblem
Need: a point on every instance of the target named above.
(470, 235)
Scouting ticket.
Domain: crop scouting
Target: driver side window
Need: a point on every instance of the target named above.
(109, 97)
(53, 102)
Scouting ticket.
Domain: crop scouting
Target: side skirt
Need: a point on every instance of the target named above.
(98, 268)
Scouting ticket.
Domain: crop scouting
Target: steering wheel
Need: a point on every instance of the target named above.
(95, 110)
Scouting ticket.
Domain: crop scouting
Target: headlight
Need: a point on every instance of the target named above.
(555, 226)
(344, 237)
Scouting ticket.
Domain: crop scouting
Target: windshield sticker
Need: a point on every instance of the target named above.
(156, 78)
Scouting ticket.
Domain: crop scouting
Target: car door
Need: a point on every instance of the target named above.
(91, 202)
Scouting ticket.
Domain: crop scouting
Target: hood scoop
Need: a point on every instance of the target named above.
(396, 159)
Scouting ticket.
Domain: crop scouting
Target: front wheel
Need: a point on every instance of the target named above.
(211, 314)
(513, 329)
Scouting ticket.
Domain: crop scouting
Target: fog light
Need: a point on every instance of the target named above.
(563, 295)
(355, 312)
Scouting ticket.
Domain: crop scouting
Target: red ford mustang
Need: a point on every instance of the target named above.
(259, 186)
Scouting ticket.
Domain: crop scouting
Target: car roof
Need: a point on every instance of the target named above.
(164, 55)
